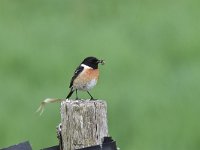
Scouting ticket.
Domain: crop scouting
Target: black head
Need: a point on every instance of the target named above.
(92, 62)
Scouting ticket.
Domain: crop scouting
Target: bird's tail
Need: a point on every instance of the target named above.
(70, 94)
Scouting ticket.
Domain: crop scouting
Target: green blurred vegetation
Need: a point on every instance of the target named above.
(151, 80)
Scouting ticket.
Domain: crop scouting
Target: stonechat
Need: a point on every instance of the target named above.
(85, 76)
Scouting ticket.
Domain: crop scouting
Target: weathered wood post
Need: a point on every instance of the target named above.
(84, 123)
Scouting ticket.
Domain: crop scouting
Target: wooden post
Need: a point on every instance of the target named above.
(84, 123)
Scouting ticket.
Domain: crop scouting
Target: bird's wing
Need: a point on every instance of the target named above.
(78, 70)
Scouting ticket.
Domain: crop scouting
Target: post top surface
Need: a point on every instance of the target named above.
(82, 101)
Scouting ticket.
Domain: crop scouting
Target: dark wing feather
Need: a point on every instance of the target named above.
(76, 73)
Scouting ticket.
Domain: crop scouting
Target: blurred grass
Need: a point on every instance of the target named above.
(151, 80)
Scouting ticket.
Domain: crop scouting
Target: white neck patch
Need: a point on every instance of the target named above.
(85, 66)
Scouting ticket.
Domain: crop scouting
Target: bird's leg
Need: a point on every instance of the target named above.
(91, 98)
(76, 95)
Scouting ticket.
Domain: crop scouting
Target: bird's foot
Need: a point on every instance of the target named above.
(93, 99)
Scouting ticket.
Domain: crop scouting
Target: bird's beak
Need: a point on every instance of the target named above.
(101, 62)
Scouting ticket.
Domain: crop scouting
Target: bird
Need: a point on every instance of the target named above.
(85, 76)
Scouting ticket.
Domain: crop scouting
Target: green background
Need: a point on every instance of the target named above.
(151, 80)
